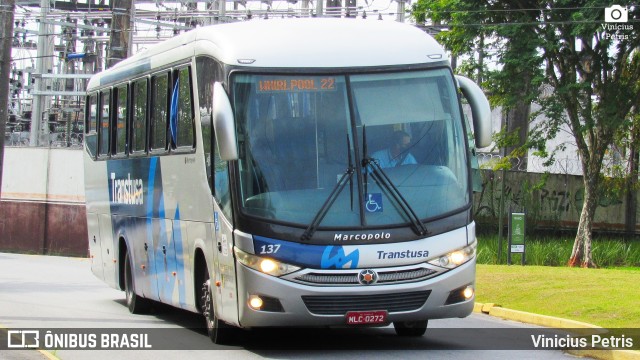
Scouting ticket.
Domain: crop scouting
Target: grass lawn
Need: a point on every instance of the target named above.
(605, 297)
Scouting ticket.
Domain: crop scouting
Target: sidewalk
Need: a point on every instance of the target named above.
(554, 322)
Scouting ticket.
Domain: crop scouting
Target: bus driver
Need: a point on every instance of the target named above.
(398, 154)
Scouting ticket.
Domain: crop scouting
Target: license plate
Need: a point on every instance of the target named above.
(366, 317)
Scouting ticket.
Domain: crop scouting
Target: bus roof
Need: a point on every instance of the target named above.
(290, 43)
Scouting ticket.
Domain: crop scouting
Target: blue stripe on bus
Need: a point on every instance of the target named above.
(150, 188)
(179, 258)
(314, 256)
(159, 281)
(153, 162)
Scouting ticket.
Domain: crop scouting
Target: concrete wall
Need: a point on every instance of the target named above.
(555, 204)
(42, 202)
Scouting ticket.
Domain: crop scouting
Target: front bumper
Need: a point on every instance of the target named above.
(294, 312)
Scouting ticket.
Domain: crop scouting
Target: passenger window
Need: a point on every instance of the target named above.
(181, 116)
(105, 112)
(121, 120)
(91, 125)
(159, 102)
(185, 114)
(139, 118)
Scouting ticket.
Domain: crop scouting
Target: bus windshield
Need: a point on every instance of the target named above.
(296, 141)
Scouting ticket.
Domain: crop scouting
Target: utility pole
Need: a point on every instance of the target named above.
(121, 31)
(6, 19)
(211, 7)
(401, 10)
(319, 8)
(44, 63)
(222, 11)
(304, 8)
(217, 9)
(69, 104)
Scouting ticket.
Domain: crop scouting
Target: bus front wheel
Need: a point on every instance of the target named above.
(219, 332)
(410, 328)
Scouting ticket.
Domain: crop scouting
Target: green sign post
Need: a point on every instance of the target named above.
(516, 235)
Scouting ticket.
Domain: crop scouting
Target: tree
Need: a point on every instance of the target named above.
(594, 70)
(515, 46)
(593, 67)
(632, 171)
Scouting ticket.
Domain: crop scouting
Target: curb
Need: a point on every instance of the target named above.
(492, 309)
(48, 355)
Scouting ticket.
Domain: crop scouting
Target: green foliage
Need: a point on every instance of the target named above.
(554, 251)
(514, 47)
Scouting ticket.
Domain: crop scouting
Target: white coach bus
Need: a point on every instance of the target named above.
(311, 172)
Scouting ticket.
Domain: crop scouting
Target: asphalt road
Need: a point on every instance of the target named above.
(46, 292)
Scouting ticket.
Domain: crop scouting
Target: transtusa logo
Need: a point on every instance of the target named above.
(127, 191)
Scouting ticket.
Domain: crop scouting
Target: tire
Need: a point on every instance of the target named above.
(410, 328)
(219, 332)
(136, 304)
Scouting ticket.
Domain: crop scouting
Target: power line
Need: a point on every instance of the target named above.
(522, 10)
(542, 22)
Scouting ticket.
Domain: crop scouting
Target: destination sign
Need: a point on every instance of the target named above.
(290, 84)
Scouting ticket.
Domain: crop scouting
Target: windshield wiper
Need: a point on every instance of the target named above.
(383, 180)
(322, 212)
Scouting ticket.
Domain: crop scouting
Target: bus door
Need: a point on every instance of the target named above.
(227, 295)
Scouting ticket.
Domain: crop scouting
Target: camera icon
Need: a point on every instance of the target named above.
(616, 13)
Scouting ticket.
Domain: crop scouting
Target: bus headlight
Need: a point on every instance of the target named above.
(456, 258)
(264, 265)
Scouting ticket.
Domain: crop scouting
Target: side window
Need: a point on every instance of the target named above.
(121, 120)
(221, 187)
(105, 112)
(159, 103)
(91, 137)
(139, 118)
(206, 76)
(92, 114)
(181, 116)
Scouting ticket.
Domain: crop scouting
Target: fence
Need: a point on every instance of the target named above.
(615, 163)
(53, 140)
(535, 164)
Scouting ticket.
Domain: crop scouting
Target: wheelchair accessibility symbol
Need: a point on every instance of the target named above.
(374, 203)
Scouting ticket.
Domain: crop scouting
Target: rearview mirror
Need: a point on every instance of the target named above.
(480, 109)
(224, 124)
